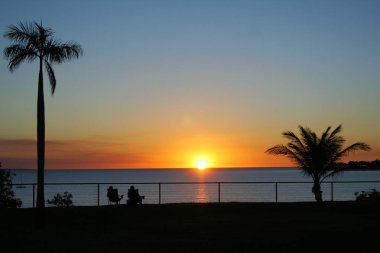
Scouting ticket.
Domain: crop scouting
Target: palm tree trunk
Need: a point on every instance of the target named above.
(40, 215)
(317, 191)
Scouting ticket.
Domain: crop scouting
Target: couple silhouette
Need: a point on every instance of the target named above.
(134, 197)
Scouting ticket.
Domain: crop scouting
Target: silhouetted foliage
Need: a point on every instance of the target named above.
(32, 42)
(7, 196)
(361, 165)
(372, 195)
(64, 200)
(318, 157)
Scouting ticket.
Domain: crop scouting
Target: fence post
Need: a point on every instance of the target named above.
(276, 192)
(34, 190)
(219, 192)
(159, 193)
(332, 191)
(98, 195)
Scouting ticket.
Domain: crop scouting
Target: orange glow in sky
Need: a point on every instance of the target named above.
(100, 153)
(193, 84)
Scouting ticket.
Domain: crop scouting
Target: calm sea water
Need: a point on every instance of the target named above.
(236, 185)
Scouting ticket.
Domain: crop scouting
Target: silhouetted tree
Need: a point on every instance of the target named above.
(318, 157)
(375, 163)
(34, 42)
(372, 195)
(59, 200)
(7, 196)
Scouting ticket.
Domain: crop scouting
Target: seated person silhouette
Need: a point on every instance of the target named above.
(134, 197)
(113, 195)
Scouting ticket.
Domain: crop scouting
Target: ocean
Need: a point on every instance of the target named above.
(89, 187)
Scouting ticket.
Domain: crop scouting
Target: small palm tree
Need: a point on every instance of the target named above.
(318, 157)
(34, 42)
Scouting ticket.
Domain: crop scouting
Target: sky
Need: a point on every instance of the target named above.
(163, 84)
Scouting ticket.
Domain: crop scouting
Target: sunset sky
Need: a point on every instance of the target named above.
(162, 83)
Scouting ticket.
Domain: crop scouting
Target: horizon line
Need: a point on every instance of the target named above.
(163, 168)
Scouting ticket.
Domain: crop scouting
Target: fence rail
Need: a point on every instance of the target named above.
(92, 194)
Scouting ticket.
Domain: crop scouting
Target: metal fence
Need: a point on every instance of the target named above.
(95, 194)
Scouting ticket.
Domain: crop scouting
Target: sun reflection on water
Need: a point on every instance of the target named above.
(201, 195)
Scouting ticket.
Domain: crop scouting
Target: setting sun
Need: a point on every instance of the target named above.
(201, 165)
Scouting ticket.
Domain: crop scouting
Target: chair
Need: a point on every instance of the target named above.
(113, 196)
(134, 197)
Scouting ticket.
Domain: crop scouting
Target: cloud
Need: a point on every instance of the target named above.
(70, 154)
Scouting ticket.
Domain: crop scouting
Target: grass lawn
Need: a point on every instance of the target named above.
(227, 227)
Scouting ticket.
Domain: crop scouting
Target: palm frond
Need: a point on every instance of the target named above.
(58, 52)
(43, 31)
(336, 131)
(17, 54)
(50, 71)
(22, 34)
(302, 154)
(293, 137)
(72, 50)
(285, 151)
(308, 137)
(331, 173)
(335, 139)
(277, 150)
(355, 147)
(325, 134)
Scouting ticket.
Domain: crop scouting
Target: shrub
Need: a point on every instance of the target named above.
(7, 196)
(372, 195)
(62, 201)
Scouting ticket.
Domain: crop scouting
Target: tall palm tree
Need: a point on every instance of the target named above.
(318, 157)
(32, 41)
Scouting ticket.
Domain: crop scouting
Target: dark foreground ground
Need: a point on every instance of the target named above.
(228, 227)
